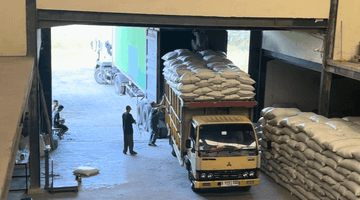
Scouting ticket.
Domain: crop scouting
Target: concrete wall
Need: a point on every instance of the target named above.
(349, 15)
(295, 44)
(230, 8)
(286, 83)
(12, 28)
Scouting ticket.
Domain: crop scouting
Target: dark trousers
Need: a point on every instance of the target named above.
(63, 127)
(128, 142)
(154, 134)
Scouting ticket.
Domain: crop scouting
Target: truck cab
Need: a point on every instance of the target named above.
(222, 151)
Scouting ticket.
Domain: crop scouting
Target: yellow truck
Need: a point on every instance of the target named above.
(215, 140)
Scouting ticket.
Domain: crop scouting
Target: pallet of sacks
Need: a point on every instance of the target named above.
(206, 75)
(314, 157)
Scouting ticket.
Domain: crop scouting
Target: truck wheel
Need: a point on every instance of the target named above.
(98, 76)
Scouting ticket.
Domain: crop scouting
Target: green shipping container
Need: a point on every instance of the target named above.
(130, 53)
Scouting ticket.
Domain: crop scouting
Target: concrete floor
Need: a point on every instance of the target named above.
(93, 115)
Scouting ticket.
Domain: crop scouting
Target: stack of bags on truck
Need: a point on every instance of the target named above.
(313, 157)
(206, 75)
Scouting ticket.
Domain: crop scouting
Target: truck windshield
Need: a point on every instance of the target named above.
(226, 137)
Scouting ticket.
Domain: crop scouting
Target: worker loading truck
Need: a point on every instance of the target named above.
(208, 100)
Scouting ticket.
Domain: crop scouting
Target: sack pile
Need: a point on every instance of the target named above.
(206, 75)
(313, 157)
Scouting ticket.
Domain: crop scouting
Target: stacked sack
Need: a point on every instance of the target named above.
(206, 75)
(313, 157)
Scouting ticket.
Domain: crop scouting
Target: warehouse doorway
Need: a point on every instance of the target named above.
(92, 111)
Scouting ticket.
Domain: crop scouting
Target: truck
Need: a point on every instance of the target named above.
(215, 140)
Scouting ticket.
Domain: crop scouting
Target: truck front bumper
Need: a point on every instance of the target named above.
(227, 183)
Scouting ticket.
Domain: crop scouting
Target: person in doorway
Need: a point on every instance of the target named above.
(201, 42)
(57, 121)
(128, 120)
(154, 121)
(55, 105)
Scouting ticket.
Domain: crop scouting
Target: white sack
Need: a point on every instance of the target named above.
(227, 61)
(217, 79)
(204, 74)
(271, 113)
(188, 96)
(230, 91)
(246, 80)
(203, 83)
(215, 64)
(204, 98)
(188, 78)
(86, 170)
(247, 87)
(170, 55)
(216, 87)
(183, 51)
(221, 68)
(186, 88)
(349, 152)
(231, 83)
(172, 62)
(207, 52)
(337, 145)
(245, 93)
(229, 74)
(232, 97)
(350, 164)
(215, 94)
(202, 91)
(213, 58)
(221, 53)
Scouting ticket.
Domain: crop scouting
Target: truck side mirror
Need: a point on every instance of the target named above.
(269, 147)
(188, 143)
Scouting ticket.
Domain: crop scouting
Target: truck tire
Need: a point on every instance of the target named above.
(191, 178)
(98, 76)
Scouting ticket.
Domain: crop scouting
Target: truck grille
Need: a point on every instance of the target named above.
(228, 174)
(222, 175)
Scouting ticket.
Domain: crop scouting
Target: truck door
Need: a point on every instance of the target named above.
(152, 63)
(192, 150)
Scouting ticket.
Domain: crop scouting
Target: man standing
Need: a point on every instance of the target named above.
(154, 121)
(57, 121)
(128, 120)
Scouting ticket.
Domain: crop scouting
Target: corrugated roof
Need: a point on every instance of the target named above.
(216, 119)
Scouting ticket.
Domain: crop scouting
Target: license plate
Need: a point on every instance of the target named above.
(235, 183)
(230, 183)
(250, 182)
(225, 183)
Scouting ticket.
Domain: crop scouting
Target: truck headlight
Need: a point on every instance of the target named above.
(203, 175)
(252, 174)
(210, 175)
(246, 174)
